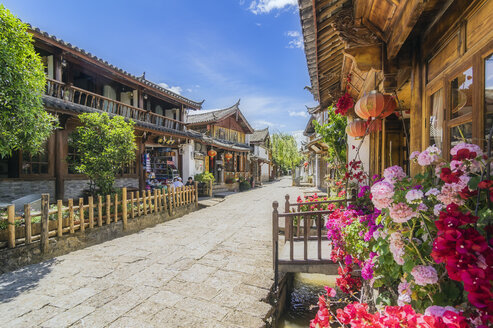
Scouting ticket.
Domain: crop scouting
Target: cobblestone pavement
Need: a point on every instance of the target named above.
(210, 268)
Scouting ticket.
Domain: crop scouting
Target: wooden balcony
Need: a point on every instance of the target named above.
(80, 96)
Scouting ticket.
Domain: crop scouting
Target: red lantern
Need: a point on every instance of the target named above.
(375, 125)
(228, 156)
(370, 105)
(390, 106)
(305, 164)
(212, 153)
(356, 128)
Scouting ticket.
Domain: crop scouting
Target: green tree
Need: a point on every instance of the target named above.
(333, 133)
(284, 150)
(104, 146)
(24, 123)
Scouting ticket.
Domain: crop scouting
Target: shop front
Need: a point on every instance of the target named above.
(160, 165)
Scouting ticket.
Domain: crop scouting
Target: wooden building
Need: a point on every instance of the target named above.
(315, 150)
(226, 131)
(434, 57)
(79, 82)
(260, 156)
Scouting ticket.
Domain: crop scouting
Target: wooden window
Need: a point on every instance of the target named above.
(73, 158)
(461, 108)
(37, 164)
(488, 97)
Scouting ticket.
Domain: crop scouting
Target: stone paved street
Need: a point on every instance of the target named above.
(210, 268)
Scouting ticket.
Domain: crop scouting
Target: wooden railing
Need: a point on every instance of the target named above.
(70, 217)
(302, 227)
(83, 97)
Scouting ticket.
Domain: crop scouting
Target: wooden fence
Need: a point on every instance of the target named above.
(70, 217)
(300, 229)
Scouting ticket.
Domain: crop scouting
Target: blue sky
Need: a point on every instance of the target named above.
(217, 50)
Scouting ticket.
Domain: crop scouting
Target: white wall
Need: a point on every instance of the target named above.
(364, 153)
(264, 172)
(188, 161)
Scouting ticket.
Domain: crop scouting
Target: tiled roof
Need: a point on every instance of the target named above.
(217, 115)
(180, 98)
(259, 135)
(212, 116)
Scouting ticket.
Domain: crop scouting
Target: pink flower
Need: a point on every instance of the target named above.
(432, 191)
(470, 147)
(401, 212)
(425, 159)
(424, 275)
(437, 209)
(414, 195)
(330, 291)
(397, 247)
(414, 155)
(439, 311)
(434, 151)
(382, 193)
(404, 290)
(394, 173)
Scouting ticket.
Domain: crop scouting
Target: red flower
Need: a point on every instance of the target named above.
(448, 177)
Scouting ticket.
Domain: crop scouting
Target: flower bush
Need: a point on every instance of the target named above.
(424, 243)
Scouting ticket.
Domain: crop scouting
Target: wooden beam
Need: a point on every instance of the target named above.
(366, 57)
(403, 25)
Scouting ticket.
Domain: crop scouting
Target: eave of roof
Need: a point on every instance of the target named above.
(44, 36)
(259, 135)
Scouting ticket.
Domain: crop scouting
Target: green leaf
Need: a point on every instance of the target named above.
(473, 182)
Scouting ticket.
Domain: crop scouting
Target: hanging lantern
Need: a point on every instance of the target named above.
(212, 153)
(375, 125)
(228, 156)
(390, 106)
(370, 105)
(305, 164)
(356, 128)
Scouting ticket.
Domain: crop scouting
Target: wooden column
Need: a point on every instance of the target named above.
(27, 223)
(11, 222)
(196, 193)
(417, 88)
(124, 208)
(45, 208)
(59, 164)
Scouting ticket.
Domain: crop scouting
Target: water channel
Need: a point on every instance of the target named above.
(301, 305)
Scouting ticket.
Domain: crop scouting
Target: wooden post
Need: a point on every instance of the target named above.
(81, 215)
(71, 215)
(100, 210)
(11, 222)
(149, 199)
(108, 209)
(196, 193)
(59, 207)
(160, 199)
(156, 200)
(170, 197)
(138, 203)
(132, 210)
(210, 188)
(275, 238)
(287, 220)
(144, 202)
(124, 208)
(45, 229)
(27, 223)
(91, 212)
(116, 208)
(163, 192)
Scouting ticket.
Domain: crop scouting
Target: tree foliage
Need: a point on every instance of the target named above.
(24, 123)
(104, 146)
(333, 133)
(284, 150)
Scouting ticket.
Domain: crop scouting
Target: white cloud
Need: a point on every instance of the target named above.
(174, 89)
(258, 24)
(189, 90)
(300, 113)
(296, 39)
(266, 6)
(299, 137)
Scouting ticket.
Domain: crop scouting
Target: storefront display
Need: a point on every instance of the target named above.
(160, 165)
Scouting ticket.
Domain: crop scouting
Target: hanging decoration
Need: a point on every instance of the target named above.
(228, 156)
(356, 128)
(212, 153)
(346, 101)
(374, 125)
(390, 106)
(371, 105)
(305, 164)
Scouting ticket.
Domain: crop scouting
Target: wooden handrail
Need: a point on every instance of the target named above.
(80, 96)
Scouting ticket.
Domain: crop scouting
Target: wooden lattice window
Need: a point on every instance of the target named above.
(35, 164)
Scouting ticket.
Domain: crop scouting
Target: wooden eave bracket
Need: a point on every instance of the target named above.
(366, 57)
